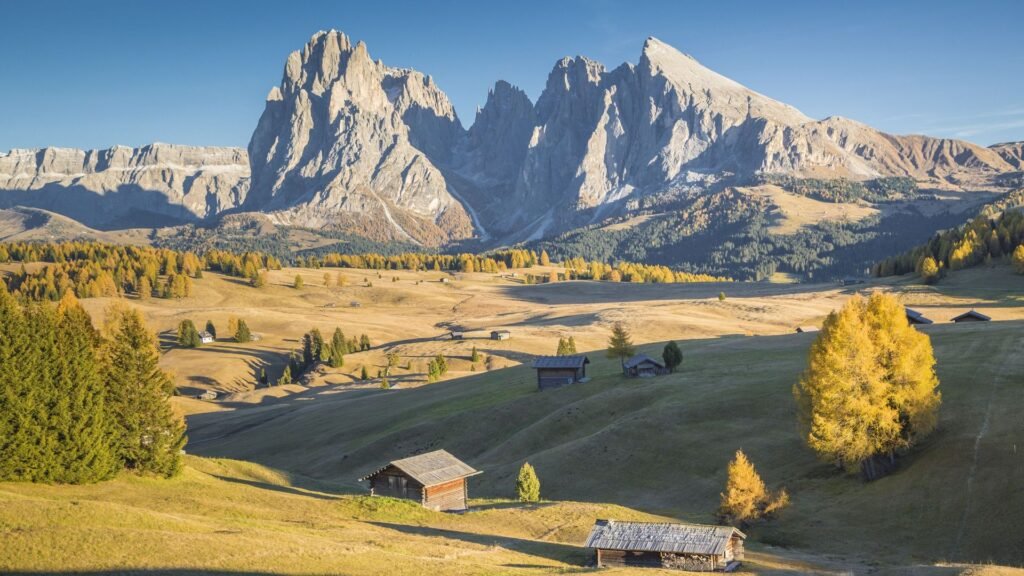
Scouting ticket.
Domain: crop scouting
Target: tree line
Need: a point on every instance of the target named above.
(984, 239)
(315, 350)
(78, 404)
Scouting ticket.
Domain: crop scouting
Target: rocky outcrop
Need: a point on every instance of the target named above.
(346, 139)
(121, 187)
(1011, 152)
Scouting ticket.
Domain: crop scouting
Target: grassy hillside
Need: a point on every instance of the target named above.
(661, 445)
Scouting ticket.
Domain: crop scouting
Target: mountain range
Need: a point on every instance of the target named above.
(662, 160)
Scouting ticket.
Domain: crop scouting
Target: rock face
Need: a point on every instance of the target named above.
(122, 187)
(348, 142)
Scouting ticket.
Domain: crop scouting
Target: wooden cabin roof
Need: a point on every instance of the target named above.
(640, 359)
(661, 537)
(972, 314)
(430, 469)
(574, 361)
(915, 316)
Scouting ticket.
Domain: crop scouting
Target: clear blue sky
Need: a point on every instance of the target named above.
(95, 74)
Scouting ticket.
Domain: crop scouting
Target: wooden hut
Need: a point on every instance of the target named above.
(437, 480)
(554, 371)
(663, 545)
(972, 316)
(643, 366)
(205, 337)
(915, 317)
(500, 335)
(806, 329)
(207, 395)
(457, 334)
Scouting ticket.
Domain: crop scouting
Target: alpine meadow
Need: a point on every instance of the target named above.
(627, 319)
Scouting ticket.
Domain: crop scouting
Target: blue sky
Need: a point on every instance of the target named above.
(95, 74)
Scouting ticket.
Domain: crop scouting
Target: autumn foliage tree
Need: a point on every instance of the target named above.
(870, 389)
(746, 498)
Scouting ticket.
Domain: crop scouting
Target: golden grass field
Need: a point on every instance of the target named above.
(269, 485)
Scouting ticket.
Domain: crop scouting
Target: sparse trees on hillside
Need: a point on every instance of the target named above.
(672, 356)
(745, 498)
(527, 484)
(870, 389)
(620, 345)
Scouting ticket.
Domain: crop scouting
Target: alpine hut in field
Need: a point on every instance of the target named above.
(437, 480)
(806, 329)
(915, 317)
(554, 371)
(972, 316)
(662, 545)
(643, 366)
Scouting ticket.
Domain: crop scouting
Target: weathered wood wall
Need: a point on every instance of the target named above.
(447, 496)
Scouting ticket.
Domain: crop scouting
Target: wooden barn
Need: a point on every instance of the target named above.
(972, 316)
(915, 317)
(500, 334)
(554, 371)
(205, 337)
(437, 480)
(643, 366)
(457, 334)
(687, 547)
(806, 329)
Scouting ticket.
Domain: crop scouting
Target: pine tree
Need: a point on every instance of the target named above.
(746, 498)
(527, 484)
(337, 349)
(870, 389)
(320, 351)
(474, 357)
(286, 376)
(148, 436)
(672, 356)
(619, 344)
(442, 365)
(242, 333)
(211, 329)
(363, 375)
(570, 345)
(298, 282)
(563, 347)
(364, 342)
(145, 288)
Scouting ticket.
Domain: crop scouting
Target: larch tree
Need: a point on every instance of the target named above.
(148, 435)
(870, 389)
(527, 484)
(746, 498)
(620, 345)
(1017, 259)
(929, 270)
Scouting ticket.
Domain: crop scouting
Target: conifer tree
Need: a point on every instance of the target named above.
(619, 344)
(672, 356)
(242, 333)
(1017, 259)
(337, 349)
(364, 342)
(188, 336)
(570, 345)
(474, 357)
(563, 347)
(83, 429)
(145, 288)
(527, 484)
(363, 375)
(286, 376)
(870, 389)
(746, 498)
(148, 436)
(298, 282)
(211, 329)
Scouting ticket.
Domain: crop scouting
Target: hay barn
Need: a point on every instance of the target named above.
(554, 371)
(688, 547)
(437, 480)
(972, 316)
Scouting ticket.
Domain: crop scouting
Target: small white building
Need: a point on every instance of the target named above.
(205, 337)
(207, 395)
(500, 335)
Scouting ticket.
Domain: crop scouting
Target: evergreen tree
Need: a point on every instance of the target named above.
(442, 365)
(474, 357)
(563, 347)
(870, 389)
(337, 349)
(672, 356)
(188, 336)
(364, 342)
(308, 354)
(242, 333)
(286, 376)
(363, 375)
(527, 484)
(745, 498)
(83, 429)
(721, 296)
(298, 282)
(320, 351)
(211, 329)
(619, 344)
(263, 376)
(148, 436)
(570, 345)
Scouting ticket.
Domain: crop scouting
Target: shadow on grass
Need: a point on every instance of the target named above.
(566, 553)
(508, 506)
(277, 488)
